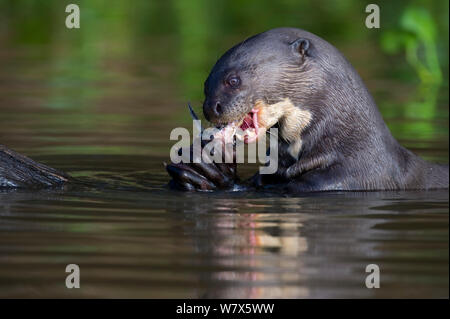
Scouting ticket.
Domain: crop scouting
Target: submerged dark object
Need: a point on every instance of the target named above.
(19, 171)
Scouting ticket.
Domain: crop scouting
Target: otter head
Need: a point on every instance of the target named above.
(258, 82)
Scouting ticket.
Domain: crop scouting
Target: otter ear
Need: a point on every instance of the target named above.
(301, 47)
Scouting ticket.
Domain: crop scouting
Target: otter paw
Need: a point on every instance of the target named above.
(201, 176)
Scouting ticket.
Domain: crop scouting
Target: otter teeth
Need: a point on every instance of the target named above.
(248, 126)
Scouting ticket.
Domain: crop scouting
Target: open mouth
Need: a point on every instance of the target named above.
(250, 126)
(248, 129)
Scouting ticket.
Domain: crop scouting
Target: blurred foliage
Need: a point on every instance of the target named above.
(416, 35)
(417, 29)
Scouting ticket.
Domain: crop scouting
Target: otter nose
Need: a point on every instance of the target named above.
(217, 109)
(212, 110)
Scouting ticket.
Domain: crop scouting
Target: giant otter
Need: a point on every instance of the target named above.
(332, 134)
(333, 137)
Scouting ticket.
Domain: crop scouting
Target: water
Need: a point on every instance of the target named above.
(104, 113)
(163, 244)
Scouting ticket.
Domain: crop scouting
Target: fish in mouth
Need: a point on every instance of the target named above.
(248, 129)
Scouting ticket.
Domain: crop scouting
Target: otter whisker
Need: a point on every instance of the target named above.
(196, 119)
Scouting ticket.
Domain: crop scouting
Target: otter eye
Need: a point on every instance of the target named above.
(234, 81)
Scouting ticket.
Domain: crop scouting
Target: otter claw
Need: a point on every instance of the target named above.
(184, 175)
